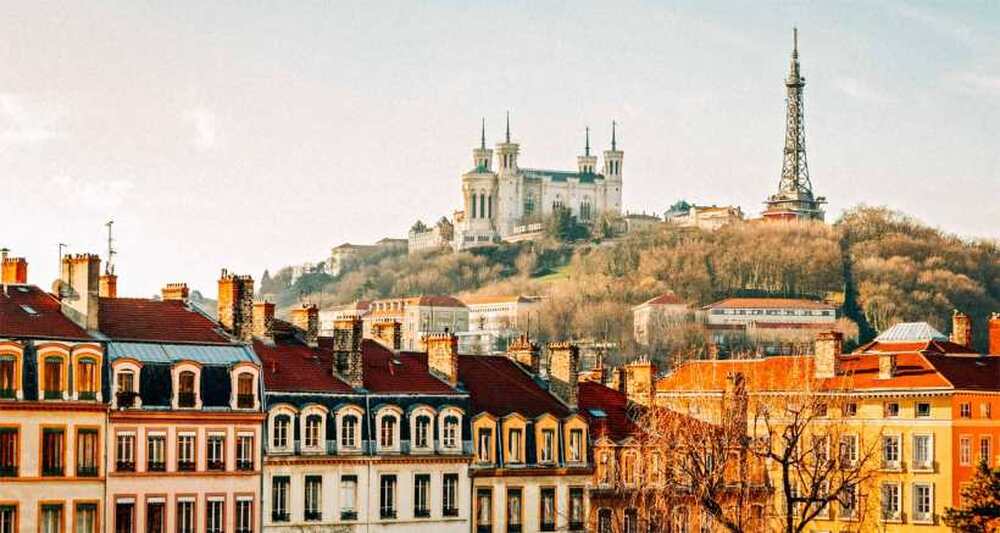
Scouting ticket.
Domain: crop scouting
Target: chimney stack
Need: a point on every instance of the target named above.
(236, 305)
(994, 334)
(961, 329)
(263, 320)
(108, 286)
(78, 289)
(527, 353)
(564, 371)
(442, 356)
(829, 346)
(14, 270)
(174, 291)
(306, 319)
(886, 365)
(347, 356)
(639, 376)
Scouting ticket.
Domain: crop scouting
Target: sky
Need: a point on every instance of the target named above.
(253, 135)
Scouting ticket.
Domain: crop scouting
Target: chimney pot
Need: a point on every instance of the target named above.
(527, 353)
(14, 270)
(442, 356)
(347, 354)
(886, 365)
(829, 346)
(263, 320)
(175, 291)
(961, 329)
(79, 284)
(564, 371)
(306, 320)
(236, 305)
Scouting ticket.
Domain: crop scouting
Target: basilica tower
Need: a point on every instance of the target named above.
(613, 173)
(794, 199)
(586, 163)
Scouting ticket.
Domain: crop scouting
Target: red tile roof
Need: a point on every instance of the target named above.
(767, 303)
(665, 299)
(437, 301)
(47, 322)
(616, 424)
(141, 319)
(500, 387)
(403, 373)
(292, 366)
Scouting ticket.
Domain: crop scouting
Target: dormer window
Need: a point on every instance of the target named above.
(126, 384)
(548, 446)
(8, 382)
(576, 446)
(244, 391)
(348, 432)
(422, 431)
(514, 438)
(53, 372)
(86, 379)
(186, 397)
(483, 449)
(312, 433)
(279, 432)
(451, 432)
(387, 432)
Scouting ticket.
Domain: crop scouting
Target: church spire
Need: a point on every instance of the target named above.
(508, 127)
(614, 141)
(482, 139)
(586, 149)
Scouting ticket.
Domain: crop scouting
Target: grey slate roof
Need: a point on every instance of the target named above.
(170, 353)
(911, 331)
(560, 175)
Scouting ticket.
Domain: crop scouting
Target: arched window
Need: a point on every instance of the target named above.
(529, 205)
(482, 205)
(244, 391)
(387, 432)
(422, 431)
(489, 206)
(53, 378)
(86, 379)
(473, 205)
(279, 433)
(313, 425)
(451, 432)
(604, 521)
(348, 431)
(185, 389)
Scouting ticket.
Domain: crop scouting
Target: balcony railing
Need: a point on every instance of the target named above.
(156, 466)
(422, 513)
(6, 394)
(125, 399)
(576, 526)
(87, 395)
(185, 466)
(550, 526)
(450, 511)
(387, 513)
(125, 466)
(348, 515)
(513, 528)
(86, 471)
(244, 465)
(53, 395)
(216, 465)
(8, 471)
(279, 516)
(52, 471)
(244, 401)
(185, 399)
(313, 516)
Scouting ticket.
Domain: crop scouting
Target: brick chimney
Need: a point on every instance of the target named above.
(994, 334)
(961, 329)
(78, 289)
(306, 319)
(564, 371)
(886, 365)
(263, 320)
(14, 270)
(236, 304)
(442, 356)
(829, 346)
(527, 353)
(175, 291)
(108, 286)
(639, 376)
(347, 355)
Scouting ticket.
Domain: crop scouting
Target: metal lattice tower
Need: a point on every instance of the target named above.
(795, 195)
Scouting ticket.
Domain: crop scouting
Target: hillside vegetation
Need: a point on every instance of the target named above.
(883, 266)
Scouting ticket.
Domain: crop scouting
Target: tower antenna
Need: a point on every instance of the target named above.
(482, 142)
(508, 127)
(109, 266)
(61, 246)
(614, 137)
(586, 150)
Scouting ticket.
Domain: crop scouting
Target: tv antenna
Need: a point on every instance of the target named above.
(109, 266)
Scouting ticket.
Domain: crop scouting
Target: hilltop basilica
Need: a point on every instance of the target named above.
(510, 202)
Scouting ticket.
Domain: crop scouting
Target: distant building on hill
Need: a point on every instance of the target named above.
(416, 317)
(496, 203)
(422, 238)
(706, 217)
(494, 321)
(345, 256)
(639, 221)
(774, 325)
(328, 318)
(657, 313)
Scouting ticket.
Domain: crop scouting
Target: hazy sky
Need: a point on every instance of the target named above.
(251, 135)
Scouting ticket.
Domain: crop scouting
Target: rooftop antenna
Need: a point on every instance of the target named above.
(61, 246)
(109, 266)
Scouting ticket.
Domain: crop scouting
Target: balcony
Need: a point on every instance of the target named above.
(53, 395)
(244, 401)
(86, 471)
(124, 466)
(216, 465)
(576, 526)
(348, 515)
(125, 399)
(52, 471)
(279, 516)
(422, 513)
(156, 466)
(313, 516)
(450, 511)
(185, 466)
(244, 465)
(87, 395)
(548, 527)
(513, 528)
(387, 514)
(185, 399)
(8, 471)
(6, 394)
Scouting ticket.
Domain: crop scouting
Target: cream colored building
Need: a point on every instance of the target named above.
(494, 321)
(708, 218)
(655, 315)
(419, 316)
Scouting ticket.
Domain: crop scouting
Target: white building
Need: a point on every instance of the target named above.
(494, 321)
(419, 316)
(497, 202)
(422, 238)
(656, 314)
(774, 325)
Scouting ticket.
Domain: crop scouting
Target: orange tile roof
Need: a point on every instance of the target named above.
(767, 303)
(668, 298)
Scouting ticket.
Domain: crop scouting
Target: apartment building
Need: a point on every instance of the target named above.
(495, 321)
(52, 393)
(185, 419)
